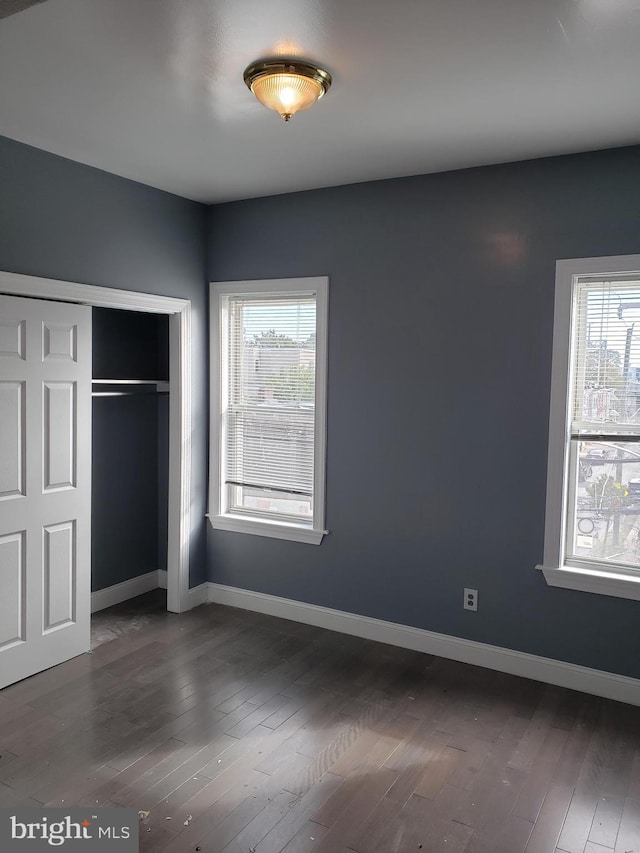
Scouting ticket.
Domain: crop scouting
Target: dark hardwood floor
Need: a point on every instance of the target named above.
(243, 733)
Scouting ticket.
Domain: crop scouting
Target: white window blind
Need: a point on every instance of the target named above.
(605, 387)
(270, 415)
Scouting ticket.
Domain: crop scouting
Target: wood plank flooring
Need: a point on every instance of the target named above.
(242, 733)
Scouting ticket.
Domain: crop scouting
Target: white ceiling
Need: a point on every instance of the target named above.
(153, 90)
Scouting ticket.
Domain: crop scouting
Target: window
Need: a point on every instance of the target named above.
(268, 407)
(592, 535)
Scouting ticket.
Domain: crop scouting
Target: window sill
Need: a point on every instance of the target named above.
(592, 580)
(272, 529)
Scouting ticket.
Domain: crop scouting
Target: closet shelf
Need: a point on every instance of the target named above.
(140, 386)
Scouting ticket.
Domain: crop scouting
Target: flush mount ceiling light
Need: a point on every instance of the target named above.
(287, 85)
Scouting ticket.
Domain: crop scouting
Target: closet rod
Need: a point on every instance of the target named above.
(126, 393)
(129, 381)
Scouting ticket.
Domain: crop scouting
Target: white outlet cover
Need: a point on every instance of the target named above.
(470, 599)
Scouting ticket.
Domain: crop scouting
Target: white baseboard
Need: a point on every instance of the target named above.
(119, 592)
(595, 681)
(198, 595)
(104, 598)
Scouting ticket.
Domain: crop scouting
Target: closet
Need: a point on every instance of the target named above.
(130, 445)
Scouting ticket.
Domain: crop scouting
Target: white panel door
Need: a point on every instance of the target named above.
(45, 484)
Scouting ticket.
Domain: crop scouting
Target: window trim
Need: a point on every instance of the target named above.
(554, 568)
(219, 517)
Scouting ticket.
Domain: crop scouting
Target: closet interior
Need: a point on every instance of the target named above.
(130, 435)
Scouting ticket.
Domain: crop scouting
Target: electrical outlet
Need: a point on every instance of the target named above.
(470, 599)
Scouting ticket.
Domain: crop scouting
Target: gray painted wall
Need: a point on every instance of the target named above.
(60, 219)
(124, 489)
(441, 312)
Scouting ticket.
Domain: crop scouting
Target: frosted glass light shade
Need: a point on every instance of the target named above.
(287, 86)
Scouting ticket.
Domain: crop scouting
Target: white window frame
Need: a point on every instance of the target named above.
(557, 572)
(219, 515)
